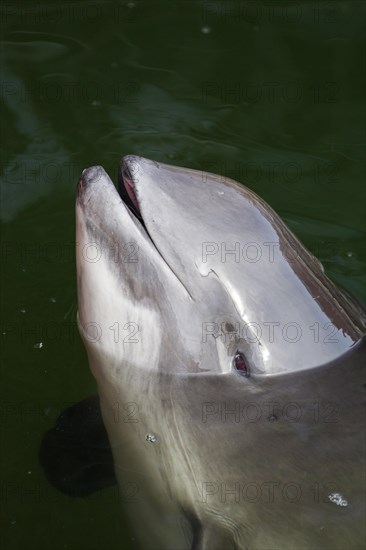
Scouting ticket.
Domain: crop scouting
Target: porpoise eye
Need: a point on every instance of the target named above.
(240, 364)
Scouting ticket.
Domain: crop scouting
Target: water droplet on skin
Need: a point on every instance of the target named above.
(338, 499)
(151, 438)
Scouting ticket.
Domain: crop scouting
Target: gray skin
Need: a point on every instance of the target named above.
(210, 454)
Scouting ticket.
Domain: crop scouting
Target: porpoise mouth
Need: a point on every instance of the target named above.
(96, 198)
(126, 190)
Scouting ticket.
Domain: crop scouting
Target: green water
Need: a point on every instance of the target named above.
(269, 93)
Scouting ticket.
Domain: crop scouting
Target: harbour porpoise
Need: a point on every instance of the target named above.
(230, 369)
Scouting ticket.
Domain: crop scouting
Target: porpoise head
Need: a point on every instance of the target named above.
(222, 345)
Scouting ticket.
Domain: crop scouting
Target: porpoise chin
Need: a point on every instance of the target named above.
(230, 369)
